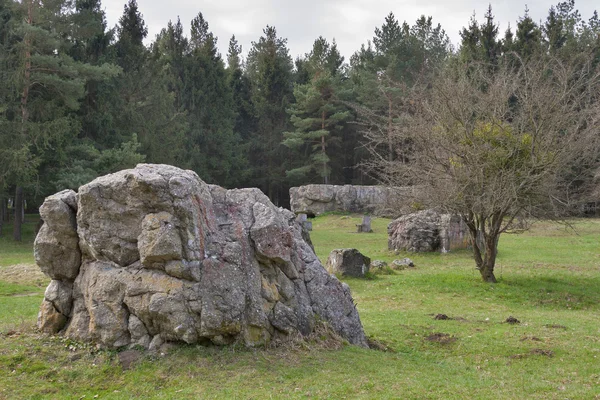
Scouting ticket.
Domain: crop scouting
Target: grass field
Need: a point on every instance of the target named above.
(549, 279)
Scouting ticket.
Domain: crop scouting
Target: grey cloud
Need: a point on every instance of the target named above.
(350, 22)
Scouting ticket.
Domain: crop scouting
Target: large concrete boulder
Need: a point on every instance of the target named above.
(427, 231)
(374, 200)
(156, 255)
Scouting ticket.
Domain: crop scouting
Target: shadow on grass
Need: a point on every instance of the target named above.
(568, 292)
(551, 290)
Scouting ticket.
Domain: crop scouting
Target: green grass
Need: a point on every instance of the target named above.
(549, 279)
(12, 252)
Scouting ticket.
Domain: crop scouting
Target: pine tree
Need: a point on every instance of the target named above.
(470, 41)
(132, 31)
(528, 36)
(508, 42)
(397, 65)
(44, 89)
(214, 153)
(241, 91)
(90, 38)
(269, 68)
(554, 32)
(317, 114)
(489, 38)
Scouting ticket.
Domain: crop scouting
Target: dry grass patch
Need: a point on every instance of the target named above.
(24, 274)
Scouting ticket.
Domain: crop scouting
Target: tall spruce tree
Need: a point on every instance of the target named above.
(470, 41)
(269, 68)
(215, 153)
(554, 32)
(491, 47)
(528, 36)
(317, 115)
(241, 90)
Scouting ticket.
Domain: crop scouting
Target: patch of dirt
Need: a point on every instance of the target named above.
(375, 344)
(440, 337)
(441, 317)
(512, 320)
(534, 352)
(129, 358)
(555, 326)
(542, 352)
(531, 338)
(24, 274)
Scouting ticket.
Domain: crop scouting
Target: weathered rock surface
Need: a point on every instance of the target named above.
(348, 262)
(402, 264)
(56, 249)
(155, 255)
(375, 200)
(377, 264)
(427, 231)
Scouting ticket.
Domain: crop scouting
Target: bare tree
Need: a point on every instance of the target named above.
(496, 144)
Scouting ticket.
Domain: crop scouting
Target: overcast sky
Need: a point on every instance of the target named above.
(350, 22)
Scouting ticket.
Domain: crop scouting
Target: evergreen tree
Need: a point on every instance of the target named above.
(397, 65)
(388, 37)
(269, 68)
(90, 38)
(554, 32)
(317, 114)
(214, 151)
(489, 38)
(470, 41)
(7, 93)
(234, 60)
(170, 50)
(132, 30)
(508, 43)
(44, 88)
(528, 36)
(241, 90)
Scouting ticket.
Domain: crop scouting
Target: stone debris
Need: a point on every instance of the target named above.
(378, 264)
(402, 264)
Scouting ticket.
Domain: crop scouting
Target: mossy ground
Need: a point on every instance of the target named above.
(549, 280)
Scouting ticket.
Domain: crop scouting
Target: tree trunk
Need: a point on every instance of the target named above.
(27, 73)
(18, 204)
(487, 274)
(2, 211)
(489, 258)
(485, 249)
(18, 207)
(325, 177)
(390, 129)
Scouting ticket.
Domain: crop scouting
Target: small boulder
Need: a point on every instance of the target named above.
(348, 262)
(402, 264)
(378, 264)
(49, 319)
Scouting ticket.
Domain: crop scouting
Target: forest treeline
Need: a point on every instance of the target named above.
(79, 99)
